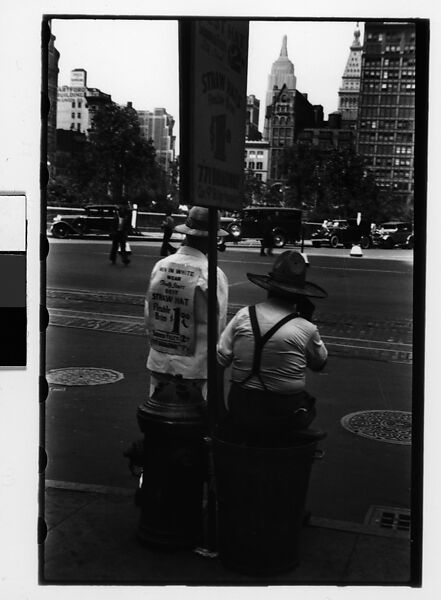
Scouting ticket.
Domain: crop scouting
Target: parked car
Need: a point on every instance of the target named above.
(96, 218)
(285, 224)
(394, 233)
(343, 231)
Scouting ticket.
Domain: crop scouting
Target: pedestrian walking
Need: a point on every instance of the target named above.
(176, 308)
(119, 234)
(167, 227)
(270, 345)
(267, 242)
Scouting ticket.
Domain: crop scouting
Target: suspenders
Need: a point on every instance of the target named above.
(261, 340)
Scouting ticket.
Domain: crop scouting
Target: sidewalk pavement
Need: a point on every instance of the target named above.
(91, 539)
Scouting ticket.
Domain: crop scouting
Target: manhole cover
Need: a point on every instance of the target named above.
(393, 426)
(83, 376)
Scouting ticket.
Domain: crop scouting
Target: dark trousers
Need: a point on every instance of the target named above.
(166, 247)
(119, 239)
(256, 416)
(266, 243)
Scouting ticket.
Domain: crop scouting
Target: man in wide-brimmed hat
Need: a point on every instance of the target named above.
(176, 307)
(270, 345)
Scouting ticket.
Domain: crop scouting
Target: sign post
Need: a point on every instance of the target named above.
(213, 79)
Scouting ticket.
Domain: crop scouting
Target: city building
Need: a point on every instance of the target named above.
(386, 118)
(256, 158)
(94, 99)
(350, 88)
(282, 73)
(287, 111)
(328, 135)
(158, 126)
(252, 119)
(52, 72)
(76, 102)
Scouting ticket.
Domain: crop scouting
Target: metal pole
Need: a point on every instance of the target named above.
(210, 542)
(212, 318)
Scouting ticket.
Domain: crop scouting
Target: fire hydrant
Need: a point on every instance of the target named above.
(174, 423)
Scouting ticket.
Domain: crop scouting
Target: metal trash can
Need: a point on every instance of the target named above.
(175, 461)
(261, 493)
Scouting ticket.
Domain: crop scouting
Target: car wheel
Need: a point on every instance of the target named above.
(365, 242)
(60, 230)
(279, 239)
(333, 241)
(409, 242)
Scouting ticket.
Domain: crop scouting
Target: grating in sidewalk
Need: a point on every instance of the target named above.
(391, 519)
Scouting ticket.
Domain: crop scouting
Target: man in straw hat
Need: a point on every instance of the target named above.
(269, 346)
(176, 307)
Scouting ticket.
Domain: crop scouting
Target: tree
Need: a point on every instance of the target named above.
(124, 162)
(302, 169)
(334, 184)
(253, 189)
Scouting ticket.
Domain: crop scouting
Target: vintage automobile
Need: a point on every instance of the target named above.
(394, 233)
(96, 218)
(285, 225)
(343, 231)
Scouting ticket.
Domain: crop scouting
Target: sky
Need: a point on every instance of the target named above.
(137, 61)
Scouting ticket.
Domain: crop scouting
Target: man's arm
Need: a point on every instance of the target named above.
(316, 353)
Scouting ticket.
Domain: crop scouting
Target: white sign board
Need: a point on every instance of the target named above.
(219, 81)
(171, 309)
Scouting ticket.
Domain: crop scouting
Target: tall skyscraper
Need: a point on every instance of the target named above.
(386, 122)
(158, 126)
(350, 87)
(287, 111)
(282, 73)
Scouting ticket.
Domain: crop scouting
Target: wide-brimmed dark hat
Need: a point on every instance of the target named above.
(288, 277)
(197, 223)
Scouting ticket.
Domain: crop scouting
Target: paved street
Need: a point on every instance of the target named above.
(96, 321)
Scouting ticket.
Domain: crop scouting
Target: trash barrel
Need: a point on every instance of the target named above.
(175, 464)
(261, 493)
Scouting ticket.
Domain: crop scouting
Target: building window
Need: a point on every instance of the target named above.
(259, 165)
(79, 115)
(260, 153)
(78, 126)
(79, 103)
(251, 165)
(73, 115)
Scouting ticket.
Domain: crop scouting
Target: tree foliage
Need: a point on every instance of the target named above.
(115, 163)
(335, 184)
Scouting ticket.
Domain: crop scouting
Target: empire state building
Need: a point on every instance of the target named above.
(287, 111)
(282, 73)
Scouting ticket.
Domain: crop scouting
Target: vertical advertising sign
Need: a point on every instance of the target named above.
(218, 86)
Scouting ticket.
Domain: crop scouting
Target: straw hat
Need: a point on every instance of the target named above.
(288, 277)
(197, 223)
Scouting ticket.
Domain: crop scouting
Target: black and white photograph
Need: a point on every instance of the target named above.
(228, 317)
